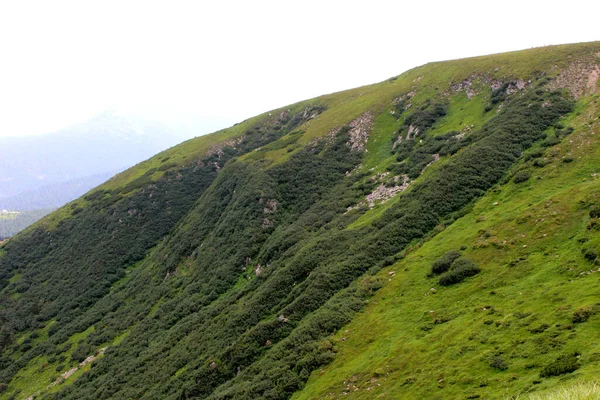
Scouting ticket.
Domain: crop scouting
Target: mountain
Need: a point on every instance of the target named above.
(47, 171)
(13, 222)
(107, 143)
(54, 195)
(435, 235)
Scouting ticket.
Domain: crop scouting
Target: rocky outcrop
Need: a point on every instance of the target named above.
(383, 192)
(217, 149)
(580, 78)
(359, 131)
(466, 87)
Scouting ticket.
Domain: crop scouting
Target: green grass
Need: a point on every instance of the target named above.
(412, 341)
(414, 338)
(578, 391)
(343, 107)
(464, 114)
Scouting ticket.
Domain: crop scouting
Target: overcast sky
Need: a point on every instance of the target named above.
(62, 62)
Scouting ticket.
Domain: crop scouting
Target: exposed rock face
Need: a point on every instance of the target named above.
(283, 116)
(69, 373)
(360, 129)
(484, 79)
(412, 132)
(218, 148)
(270, 207)
(397, 142)
(580, 78)
(403, 98)
(466, 86)
(495, 84)
(383, 193)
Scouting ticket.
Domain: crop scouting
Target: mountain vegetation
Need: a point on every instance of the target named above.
(435, 235)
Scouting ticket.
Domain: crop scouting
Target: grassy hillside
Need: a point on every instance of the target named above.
(535, 300)
(296, 248)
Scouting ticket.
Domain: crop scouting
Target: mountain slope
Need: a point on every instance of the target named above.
(491, 337)
(222, 267)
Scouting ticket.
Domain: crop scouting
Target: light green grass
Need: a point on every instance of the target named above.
(579, 391)
(394, 350)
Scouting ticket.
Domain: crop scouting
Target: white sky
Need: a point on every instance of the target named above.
(64, 61)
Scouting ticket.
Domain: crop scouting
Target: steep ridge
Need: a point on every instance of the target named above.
(220, 268)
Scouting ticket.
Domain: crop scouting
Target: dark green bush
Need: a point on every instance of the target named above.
(522, 176)
(534, 154)
(309, 286)
(595, 212)
(460, 269)
(568, 159)
(551, 141)
(443, 263)
(591, 254)
(498, 363)
(562, 365)
(564, 132)
(582, 314)
(426, 116)
(540, 162)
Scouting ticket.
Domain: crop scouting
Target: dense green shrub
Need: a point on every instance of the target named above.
(562, 365)
(413, 157)
(522, 176)
(497, 362)
(426, 116)
(582, 314)
(224, 306)
(562, 132)
(551, 141)
(500, 94)
(595, 212)
(443, 263)
(460, 269)
(534, 154)
(591, 253)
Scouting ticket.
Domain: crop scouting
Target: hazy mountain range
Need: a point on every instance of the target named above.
(49, 170)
